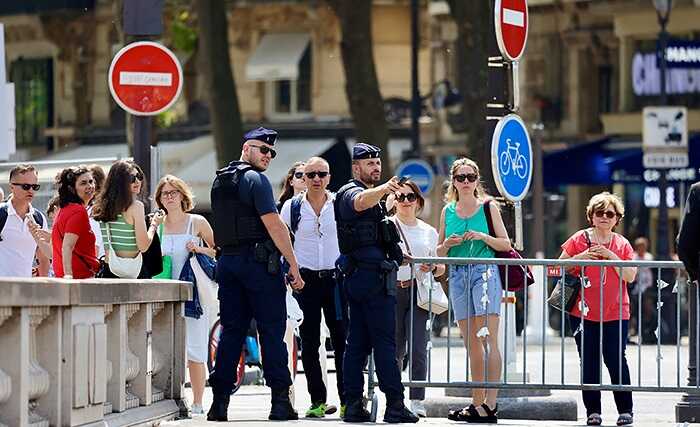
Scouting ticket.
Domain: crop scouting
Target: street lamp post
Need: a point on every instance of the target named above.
(415, 93)
(663, 12)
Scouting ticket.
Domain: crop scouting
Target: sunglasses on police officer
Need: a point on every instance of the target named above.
(27, 187)
(265, 150)
(471, 177)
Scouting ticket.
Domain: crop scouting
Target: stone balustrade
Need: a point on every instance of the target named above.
(91, 352)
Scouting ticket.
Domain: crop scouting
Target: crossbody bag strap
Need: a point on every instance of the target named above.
(489, 219)
(405, 240)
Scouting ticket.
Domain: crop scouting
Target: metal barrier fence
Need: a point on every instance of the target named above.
(552, 353)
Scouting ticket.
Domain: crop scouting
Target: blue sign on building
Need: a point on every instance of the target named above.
(420, 172)
(511, 157)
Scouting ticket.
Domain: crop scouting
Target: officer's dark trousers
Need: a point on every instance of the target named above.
(321, 294)
(611, 353)
(372, 327)
(247, 290)
(411, 319)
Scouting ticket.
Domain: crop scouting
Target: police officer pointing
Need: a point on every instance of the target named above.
(250, 236)
(369, 260)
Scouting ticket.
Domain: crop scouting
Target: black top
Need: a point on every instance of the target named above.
(345, 199)
(688, 242)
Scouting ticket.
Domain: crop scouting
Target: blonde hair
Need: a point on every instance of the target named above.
(187, 201)
(452, 193)
(601, 201)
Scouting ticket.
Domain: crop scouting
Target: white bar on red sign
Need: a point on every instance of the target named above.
(513, 17)
(145, 79)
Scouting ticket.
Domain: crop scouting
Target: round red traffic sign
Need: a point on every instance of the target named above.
(511, 21)
(145, 78)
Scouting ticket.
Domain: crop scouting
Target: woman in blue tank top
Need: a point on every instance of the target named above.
(475, 289)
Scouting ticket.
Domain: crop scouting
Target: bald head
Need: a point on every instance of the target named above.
(316, 175)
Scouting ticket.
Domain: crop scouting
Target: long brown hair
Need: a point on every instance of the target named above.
(452, 193)
(286, 187)
(115, 197)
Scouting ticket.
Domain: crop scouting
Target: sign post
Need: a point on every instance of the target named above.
(145, 79)
(420, 172)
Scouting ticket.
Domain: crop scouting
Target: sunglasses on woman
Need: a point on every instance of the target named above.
(411, 197)
(312, 175)
(264, 150)
(608, 214)
(298, 175)
(136, 176)
(471, 177)
(27, 187)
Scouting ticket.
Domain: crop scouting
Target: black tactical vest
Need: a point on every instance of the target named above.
(359, 232)
(235, 223)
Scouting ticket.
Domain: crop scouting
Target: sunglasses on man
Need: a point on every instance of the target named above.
(608, 214)
(471, 177)
(27, 187)
(411, 197)
(265, 150)
(312, 175)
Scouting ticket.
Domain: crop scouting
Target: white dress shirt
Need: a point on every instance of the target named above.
(18, 247)
(316, 238)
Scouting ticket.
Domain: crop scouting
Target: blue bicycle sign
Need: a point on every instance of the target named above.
(511, 158)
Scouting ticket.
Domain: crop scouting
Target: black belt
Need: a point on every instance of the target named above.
(234, 250)
(321, 274)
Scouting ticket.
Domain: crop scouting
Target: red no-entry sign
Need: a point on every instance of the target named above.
(145, 78)
(511, 27)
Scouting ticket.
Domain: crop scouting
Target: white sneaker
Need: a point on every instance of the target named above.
(197, 410)
(418, 408)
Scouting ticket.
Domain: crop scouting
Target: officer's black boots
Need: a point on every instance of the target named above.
(356, 412)
(396, 412)
(219, 408)
(282, 409)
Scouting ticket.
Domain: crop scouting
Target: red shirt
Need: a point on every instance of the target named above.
(611, 288)
(73, 218)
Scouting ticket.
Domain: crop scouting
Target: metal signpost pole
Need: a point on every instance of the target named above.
(415, 93)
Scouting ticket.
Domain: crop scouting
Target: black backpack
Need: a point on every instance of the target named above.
(38, 217)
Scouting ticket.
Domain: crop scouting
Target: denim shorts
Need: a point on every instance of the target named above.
(468, 294)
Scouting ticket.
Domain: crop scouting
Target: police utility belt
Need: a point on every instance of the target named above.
(263, 252)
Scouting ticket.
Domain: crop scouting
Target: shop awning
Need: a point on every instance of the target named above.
(277, 57)
(603, 162)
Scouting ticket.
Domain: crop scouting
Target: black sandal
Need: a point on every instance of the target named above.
(490, 418)
(462, 414)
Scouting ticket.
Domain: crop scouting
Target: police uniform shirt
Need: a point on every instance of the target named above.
(255, 190)
(347, 212)
(316, 238)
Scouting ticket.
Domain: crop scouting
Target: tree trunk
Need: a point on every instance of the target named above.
(361, 83)
(226, 123)
(474, 30)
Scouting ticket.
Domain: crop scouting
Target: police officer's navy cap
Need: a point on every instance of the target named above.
(267, 136)
(365, 151)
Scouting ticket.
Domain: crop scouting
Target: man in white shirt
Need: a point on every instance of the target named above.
(19, 244)
(311, 219)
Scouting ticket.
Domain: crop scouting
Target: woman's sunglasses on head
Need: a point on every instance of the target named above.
(264, 150)
(27, 187)
(608, 214)
(471, 177)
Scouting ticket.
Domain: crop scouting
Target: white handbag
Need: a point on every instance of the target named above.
(295, 317)
(207, 289)
(125, 268)
(430, 295)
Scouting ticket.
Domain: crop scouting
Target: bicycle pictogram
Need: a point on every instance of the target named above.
(512, 159)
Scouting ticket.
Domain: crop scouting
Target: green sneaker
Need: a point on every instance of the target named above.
(317, 410)
(342, 410)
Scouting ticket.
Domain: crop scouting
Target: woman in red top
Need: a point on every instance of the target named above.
(600, 242)
(71, 237)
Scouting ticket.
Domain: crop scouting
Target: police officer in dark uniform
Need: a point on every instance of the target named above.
(250, 236)
(369, 260)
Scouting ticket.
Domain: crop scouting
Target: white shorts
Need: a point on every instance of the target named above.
(197, 338)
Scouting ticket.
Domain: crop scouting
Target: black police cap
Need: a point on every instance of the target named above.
(365, 151)
(267, 136)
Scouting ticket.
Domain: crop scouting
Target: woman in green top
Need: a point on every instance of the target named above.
(475, 289)
(121, 215)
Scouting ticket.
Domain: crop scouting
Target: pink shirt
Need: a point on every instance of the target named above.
(611, 288)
